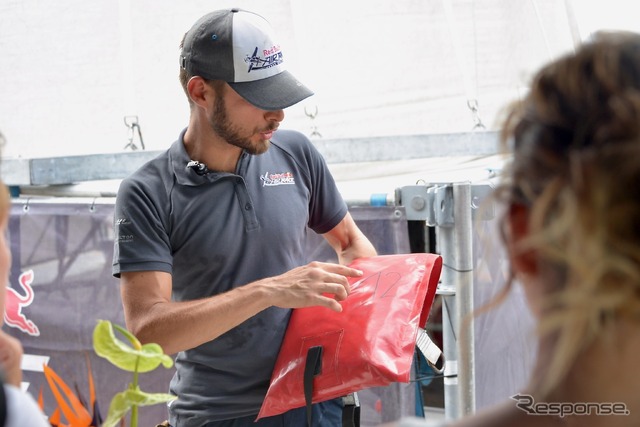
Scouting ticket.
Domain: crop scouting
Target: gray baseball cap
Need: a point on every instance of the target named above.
(238, 46)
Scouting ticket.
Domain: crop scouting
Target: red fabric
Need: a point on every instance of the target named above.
(369, 344)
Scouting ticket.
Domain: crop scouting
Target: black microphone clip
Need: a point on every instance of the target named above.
(197, 167)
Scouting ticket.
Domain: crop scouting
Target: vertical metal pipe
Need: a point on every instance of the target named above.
(464, 296)
(455, 244)
(450, 352)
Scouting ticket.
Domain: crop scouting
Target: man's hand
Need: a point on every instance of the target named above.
(314, 284)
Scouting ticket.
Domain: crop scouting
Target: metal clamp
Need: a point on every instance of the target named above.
(433, 203)
(131, 122)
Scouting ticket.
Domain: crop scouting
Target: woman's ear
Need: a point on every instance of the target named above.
(523, 260)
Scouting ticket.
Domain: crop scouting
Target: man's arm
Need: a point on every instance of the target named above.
(348, 241)
(152, 317)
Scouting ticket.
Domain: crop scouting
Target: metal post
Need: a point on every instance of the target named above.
(455, 244)
(449, 350)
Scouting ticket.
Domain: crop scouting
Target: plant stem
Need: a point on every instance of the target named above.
(134, 408)
(134, 416)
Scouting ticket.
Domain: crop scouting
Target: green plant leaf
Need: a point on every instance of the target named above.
(135, 343)
(139, 358)
(124, 401)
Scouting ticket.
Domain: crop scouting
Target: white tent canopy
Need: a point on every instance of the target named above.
(73, 70)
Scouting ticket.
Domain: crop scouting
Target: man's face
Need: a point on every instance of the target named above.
(241, 124)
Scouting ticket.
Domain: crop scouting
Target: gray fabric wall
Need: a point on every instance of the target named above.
(68, 244)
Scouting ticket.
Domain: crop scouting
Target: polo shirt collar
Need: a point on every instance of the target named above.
(179, 158)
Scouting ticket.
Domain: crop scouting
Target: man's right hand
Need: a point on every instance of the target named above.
(314, 284)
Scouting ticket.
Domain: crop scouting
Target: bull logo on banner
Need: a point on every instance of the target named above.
(16, 301)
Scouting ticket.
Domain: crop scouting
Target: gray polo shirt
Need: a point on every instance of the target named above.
(218, 231)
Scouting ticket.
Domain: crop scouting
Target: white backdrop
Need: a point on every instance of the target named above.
(71, 70)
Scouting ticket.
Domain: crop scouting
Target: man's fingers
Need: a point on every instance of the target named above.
(340, 291)
(343, 270)
(330, 303)
(317, 283)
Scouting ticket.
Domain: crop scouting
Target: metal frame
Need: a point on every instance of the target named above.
(74, 169)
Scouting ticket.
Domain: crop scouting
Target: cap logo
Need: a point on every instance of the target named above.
(270, 58)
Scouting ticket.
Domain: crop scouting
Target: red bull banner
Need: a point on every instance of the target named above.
(61, 285)
(16, 300)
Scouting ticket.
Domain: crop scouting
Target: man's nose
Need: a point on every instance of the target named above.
(277, 115)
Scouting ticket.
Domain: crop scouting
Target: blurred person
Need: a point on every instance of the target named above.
(210, 235)
(17, 408)
(572, 231)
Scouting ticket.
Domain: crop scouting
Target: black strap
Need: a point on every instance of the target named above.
(351, 411)
(312, 367)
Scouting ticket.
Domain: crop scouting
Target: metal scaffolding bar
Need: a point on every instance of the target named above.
(74, 169)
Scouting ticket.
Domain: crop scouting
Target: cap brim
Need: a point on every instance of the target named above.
(273, 93)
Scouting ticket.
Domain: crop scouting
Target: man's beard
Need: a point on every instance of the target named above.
(221, 125)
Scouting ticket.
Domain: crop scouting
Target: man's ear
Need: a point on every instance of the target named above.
(198, 90)
(523, 260)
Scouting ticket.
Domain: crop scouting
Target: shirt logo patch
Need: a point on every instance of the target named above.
(273, 179)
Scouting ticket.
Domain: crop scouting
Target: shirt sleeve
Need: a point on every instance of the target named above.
(141, 229)
(326, 205)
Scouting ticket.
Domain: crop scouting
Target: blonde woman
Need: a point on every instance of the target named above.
(572, 231)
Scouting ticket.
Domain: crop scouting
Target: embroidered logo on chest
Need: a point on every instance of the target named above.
(273, 179)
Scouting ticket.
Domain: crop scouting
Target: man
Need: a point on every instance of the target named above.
(210, 244)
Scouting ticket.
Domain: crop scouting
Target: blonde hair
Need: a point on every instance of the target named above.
(575, 140)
